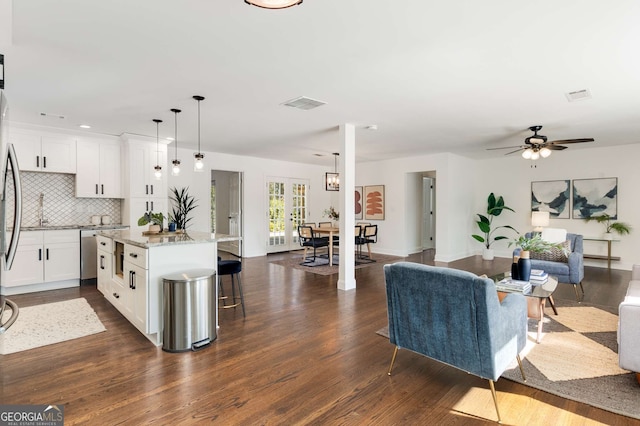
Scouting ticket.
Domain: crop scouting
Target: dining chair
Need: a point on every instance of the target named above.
(308, 240)
(369, 236)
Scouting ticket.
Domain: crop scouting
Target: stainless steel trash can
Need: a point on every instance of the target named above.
(189, 310)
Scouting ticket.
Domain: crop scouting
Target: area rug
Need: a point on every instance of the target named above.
(577, 359)
(321, 264)
(50, 323)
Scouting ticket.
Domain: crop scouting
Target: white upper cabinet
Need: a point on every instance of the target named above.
(44, 152)
(99, 169)
(142, 159)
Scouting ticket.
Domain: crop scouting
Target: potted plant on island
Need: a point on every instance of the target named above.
(527, 245)
(183, 205)
(610, 226)
(154, 220)
(495, 206)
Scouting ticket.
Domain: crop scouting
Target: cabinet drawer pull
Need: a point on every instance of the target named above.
(134, 255)
(116, 295)
(102, 243)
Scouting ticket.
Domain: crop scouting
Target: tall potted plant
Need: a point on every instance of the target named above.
(610, 226)
(183, 205)
(495, 206)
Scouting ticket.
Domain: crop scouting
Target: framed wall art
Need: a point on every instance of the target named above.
(359, 207)
(593, 197)
(551, 196)
(374, 202)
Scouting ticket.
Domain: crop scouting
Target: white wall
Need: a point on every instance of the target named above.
(256, 170)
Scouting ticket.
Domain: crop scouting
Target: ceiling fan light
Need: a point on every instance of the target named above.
(535, 155)
(545, 152)
(273, 4)
(526, 154)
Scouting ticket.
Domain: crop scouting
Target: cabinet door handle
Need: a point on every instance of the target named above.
(152, 205)
(102, 189)
(134, 255)
(133, 279)
(151, 189)
(39, 254)
(96, 189)
(147, 204)
(44, 162)
(146, 189)
(101, 261)
(47, 254)
(37, 161)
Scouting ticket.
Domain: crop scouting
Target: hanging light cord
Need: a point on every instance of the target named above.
(199, 126)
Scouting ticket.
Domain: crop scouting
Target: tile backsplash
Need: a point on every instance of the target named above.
(61, 207)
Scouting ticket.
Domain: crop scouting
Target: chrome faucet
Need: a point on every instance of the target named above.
(42, 220)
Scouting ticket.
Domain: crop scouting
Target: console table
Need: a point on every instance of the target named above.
(608, 257)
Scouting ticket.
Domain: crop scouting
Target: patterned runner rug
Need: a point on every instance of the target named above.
(50, 323)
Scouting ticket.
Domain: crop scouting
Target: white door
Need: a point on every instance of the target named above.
(234, 214)
(287, 207)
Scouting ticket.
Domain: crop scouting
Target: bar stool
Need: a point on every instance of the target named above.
(233, 268)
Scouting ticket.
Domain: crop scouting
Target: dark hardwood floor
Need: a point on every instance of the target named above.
(306, 354)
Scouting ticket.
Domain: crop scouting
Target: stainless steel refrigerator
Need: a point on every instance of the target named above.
(8, 241)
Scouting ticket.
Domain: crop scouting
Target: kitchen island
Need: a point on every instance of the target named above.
(131, 267)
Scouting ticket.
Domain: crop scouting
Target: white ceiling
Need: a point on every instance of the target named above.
(434, 76)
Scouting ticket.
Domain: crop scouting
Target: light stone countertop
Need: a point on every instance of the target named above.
(145, 241)
(71, 227)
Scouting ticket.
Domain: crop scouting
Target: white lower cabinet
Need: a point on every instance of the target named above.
(136, 300)
(45, 260)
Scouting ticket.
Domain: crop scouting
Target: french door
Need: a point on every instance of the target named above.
(287, 206)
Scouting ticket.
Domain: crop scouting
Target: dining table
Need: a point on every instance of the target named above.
(330, 231)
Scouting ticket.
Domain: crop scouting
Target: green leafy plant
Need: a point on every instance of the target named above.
(151, 217)
(534, 243)
(183, 205)
(619, 227)
(331, 213)
(495, 206)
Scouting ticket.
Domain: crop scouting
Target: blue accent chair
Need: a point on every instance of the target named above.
(571, 272)
(455, 317)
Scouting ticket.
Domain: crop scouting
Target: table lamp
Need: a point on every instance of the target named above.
(539, 220)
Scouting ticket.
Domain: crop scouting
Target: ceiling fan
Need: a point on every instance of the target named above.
(536, 146)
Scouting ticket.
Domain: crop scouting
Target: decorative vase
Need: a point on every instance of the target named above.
(154, 229)
(524, 266)
(487, 254)
(514, 268)
(172, 227)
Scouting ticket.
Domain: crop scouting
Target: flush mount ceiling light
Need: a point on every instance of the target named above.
(273, 4)
(175, 170)
(198, 165)
(157, 168)
(332, 180)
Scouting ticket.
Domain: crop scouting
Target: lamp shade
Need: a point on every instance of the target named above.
(539, 219)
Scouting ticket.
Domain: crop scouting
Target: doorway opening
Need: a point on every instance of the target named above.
(287, 204)
(226, 208)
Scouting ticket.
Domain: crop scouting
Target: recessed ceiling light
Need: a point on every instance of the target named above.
(85, 126)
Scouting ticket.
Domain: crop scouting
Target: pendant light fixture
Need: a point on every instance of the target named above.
(273, 4)
(198, 166)
(175, 170)
(158, 167)
(332, 180)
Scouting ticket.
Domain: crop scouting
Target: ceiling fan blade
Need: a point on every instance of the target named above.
(506, 147)
(556, 147)
(513, 152)
(566, 141)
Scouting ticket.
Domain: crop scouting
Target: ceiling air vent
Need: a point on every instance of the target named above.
(304, 103)
(578, 95)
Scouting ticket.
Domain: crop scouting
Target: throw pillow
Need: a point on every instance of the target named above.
(555, 254)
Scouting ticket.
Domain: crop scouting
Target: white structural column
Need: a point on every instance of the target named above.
(347, 170)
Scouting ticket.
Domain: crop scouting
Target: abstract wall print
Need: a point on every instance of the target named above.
(551, 196)
(593, 197)
(374, 202)
(359, 208)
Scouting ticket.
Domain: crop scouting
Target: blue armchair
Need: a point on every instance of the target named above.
(455, 317)
(570, 272)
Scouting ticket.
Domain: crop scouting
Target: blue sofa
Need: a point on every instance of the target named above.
(455, 317)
